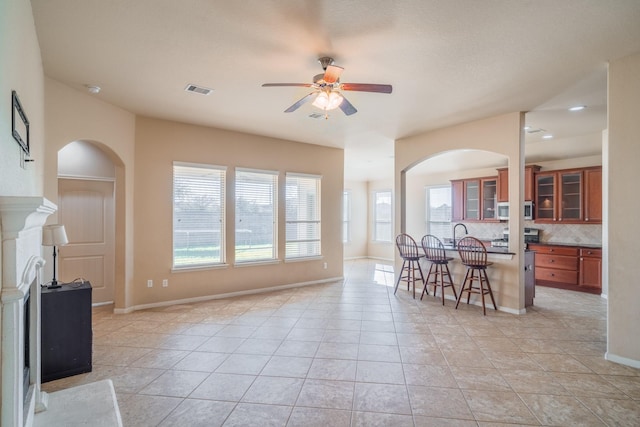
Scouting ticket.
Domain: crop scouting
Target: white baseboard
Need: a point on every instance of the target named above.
(622, 360)
(221, 296)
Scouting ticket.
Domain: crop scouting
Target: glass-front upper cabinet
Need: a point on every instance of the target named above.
(570, 196)
(545, 196)
(489, 198)
(559, 196)
(472, 199)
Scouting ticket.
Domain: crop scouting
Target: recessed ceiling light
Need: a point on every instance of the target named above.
(93, 89)
(577, 108)
(547, 136)
(527, 127)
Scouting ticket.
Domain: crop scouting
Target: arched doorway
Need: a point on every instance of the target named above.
(87, 208)
(436, 172)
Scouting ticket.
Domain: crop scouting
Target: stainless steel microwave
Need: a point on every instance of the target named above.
(503, 210)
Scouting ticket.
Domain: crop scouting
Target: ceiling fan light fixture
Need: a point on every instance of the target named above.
(328, 101)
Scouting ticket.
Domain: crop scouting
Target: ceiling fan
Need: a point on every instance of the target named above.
(326, 89)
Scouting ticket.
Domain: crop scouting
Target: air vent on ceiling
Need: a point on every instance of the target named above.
(535, 130)
(198, 89)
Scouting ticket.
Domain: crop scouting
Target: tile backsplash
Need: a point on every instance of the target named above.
(577, 234)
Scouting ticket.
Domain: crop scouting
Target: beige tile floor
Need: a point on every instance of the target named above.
(353, 354)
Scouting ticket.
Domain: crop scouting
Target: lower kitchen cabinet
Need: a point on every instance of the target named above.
(591, 268)
(568, 267)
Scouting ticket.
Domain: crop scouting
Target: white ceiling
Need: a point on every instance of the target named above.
(448, 61)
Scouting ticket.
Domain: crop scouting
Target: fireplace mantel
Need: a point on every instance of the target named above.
(21, 221)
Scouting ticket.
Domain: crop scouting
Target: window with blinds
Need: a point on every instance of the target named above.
(256, 215)
(198, 215)
(346, 216)
(302, 216)
(438, 211)
(382, 225)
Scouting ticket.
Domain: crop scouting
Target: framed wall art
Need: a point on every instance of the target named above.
(19, 123)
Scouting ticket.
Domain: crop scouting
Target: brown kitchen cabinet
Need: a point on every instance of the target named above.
(569, 196)
(559, 196)
(591, 269)
(474, 199)
(457, 200)
(567, 267)
(503, 183)
(593, 195)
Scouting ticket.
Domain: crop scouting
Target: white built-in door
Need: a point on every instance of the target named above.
(86, 208)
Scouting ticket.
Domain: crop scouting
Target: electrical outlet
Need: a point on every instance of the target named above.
(324, 266)
(165, 283)
(149, 283)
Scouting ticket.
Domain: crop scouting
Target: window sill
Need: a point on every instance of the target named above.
(256, 263)
(199, 268)
(302, 259)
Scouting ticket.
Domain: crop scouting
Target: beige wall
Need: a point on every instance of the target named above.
(624, 152)
(502, 135)
(159, 143)
(356, 247)
(73, 115)
(20, 70)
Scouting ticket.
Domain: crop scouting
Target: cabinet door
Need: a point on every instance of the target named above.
(593, 195)
(529, 173)
(591, 272)
(489, 201)
(570, 208)
(503, 185)
(545, 196)
(457, 200)
(472, 199)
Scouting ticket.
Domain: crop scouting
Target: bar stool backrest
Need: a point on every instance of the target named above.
(472, 252)
(433, 248)
(407, 246)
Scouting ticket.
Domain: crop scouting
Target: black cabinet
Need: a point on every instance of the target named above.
(529, 277)
(66, 331)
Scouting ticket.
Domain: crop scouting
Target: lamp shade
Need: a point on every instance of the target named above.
(328, 101)
(54, 235)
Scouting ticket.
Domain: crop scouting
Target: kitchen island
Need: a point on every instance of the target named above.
(503, 276)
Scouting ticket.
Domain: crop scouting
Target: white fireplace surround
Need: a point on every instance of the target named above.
(21, 221)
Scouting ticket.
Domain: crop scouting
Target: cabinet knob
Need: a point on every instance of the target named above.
(553, 260)
(552, 274)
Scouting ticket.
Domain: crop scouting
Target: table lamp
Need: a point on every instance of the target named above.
(54, 235)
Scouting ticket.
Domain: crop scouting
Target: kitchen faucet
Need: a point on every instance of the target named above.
(454, 232)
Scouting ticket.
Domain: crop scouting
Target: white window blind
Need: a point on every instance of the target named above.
(256, 214)
(302, 216)
(346, 216)
(383, 227)
(438, 211)
(198, 214)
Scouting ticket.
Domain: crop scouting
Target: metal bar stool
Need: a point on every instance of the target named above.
(410, 261)
(473, 254)
(434, 253)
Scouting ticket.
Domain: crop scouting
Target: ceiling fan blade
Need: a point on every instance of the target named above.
(366, 87)
(287, 84)
(347, 108)
(298, 104)
(332, 73)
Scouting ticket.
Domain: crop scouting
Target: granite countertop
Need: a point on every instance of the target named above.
(573, 245)
(490, 250)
